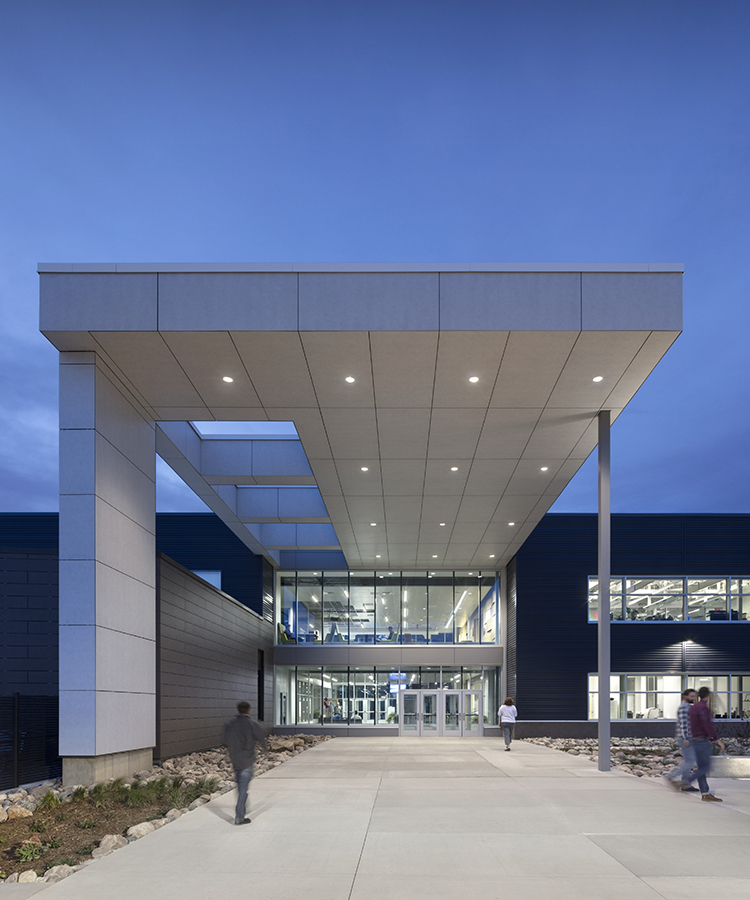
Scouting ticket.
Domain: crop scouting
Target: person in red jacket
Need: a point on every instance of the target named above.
(704, 733)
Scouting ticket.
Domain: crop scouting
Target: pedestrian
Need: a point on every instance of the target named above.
(704, 734)
(508, 714)
(679, 777)
(240, 736)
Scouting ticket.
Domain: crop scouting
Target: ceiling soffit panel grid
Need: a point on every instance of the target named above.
(417, 464)
(445, 449)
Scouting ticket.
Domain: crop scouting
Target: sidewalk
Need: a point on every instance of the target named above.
(445, 819)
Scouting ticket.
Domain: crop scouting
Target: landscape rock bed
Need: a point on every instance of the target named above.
(71, 826)
(643, 757)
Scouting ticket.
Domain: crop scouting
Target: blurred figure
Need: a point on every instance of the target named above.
(704, 734)
(508, 714)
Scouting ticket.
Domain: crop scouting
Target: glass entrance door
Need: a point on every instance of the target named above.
(472, 719)
(430, 714)
(452, 717)
(441, 713)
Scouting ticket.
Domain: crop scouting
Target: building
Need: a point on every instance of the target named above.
(386, 438)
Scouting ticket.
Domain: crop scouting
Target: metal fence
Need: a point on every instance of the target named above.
(28, 740)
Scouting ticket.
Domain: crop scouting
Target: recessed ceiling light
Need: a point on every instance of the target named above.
(364, 469)
(511, 523)
(442, 524)
(377, 556)
(349, 379)
(227, 379)
(454, 468)
(492, 555)
(434, 555)
(474, 379)
(471, 573)
(373, 524)
(598, 378)
(544, 468)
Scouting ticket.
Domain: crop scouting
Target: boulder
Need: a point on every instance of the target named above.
(112, 842)
(11, 879)
(3, 815)
(19, 812)
(29, 875)
(140, 830)
(57, 873)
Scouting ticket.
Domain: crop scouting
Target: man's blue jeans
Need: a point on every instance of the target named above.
(682, 772)
(243, 777)
(703, 752)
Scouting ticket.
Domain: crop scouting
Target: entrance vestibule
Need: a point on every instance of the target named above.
(432, 713)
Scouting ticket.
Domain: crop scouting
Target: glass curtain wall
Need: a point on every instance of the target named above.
(388, 607)
(658, 696)
(362, 695)
(674, 599)
(413, 608)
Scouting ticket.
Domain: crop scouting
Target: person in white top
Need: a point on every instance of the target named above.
(508, 714)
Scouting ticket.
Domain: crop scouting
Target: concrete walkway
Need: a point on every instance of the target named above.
(445, 819)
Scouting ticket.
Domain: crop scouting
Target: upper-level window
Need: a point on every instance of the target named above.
(365, 607)
(673, 598)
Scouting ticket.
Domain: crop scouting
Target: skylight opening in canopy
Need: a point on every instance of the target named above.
(246, 431)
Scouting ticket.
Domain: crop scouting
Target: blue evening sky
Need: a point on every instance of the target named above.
(391, 131)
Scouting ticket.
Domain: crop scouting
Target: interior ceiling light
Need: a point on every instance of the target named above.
(598, 378)
(544, 468)
(364, 469)
(373, 524)
(492, 555)
(442, 524)
(227, 379)
(511, 523)
(434, 555)
(474, 379)
(349, 379)
(377, 556)
(454, 468)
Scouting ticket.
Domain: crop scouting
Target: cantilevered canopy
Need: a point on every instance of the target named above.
(440, 410)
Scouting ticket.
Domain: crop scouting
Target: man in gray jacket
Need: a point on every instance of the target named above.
(240, 736)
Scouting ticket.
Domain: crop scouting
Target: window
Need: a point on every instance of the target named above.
(673, 598)
(370, 695)
(657, 696)
(365, 607)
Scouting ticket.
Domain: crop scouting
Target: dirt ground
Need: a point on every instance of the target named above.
(77, 826)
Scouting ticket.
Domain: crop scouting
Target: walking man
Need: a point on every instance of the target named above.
(679, 777)
(240, 736)
(704, 733)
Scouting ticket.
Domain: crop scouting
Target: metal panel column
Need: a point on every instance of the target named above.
(604, 577)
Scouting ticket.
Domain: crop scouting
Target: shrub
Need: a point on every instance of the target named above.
(49, 801)
(79, 794)
(32, 848)
(38, 827)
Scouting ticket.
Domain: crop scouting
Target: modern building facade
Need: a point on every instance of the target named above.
(385, 438)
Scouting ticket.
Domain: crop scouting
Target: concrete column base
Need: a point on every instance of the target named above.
(88, 769)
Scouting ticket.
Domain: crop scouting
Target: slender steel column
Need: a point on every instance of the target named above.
(604, 576)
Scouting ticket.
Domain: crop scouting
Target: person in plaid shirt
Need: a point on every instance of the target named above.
(679, 778)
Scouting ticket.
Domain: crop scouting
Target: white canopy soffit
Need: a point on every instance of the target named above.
(442, 409)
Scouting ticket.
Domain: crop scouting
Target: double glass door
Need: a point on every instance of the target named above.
(430, 713)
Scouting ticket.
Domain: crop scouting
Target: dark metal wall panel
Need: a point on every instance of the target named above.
(556, 646)
(28, 611)
(203, 541)
(511, 632)
(208, 660)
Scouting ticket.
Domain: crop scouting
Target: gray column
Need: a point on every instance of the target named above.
(107, 574)
(604, 576)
